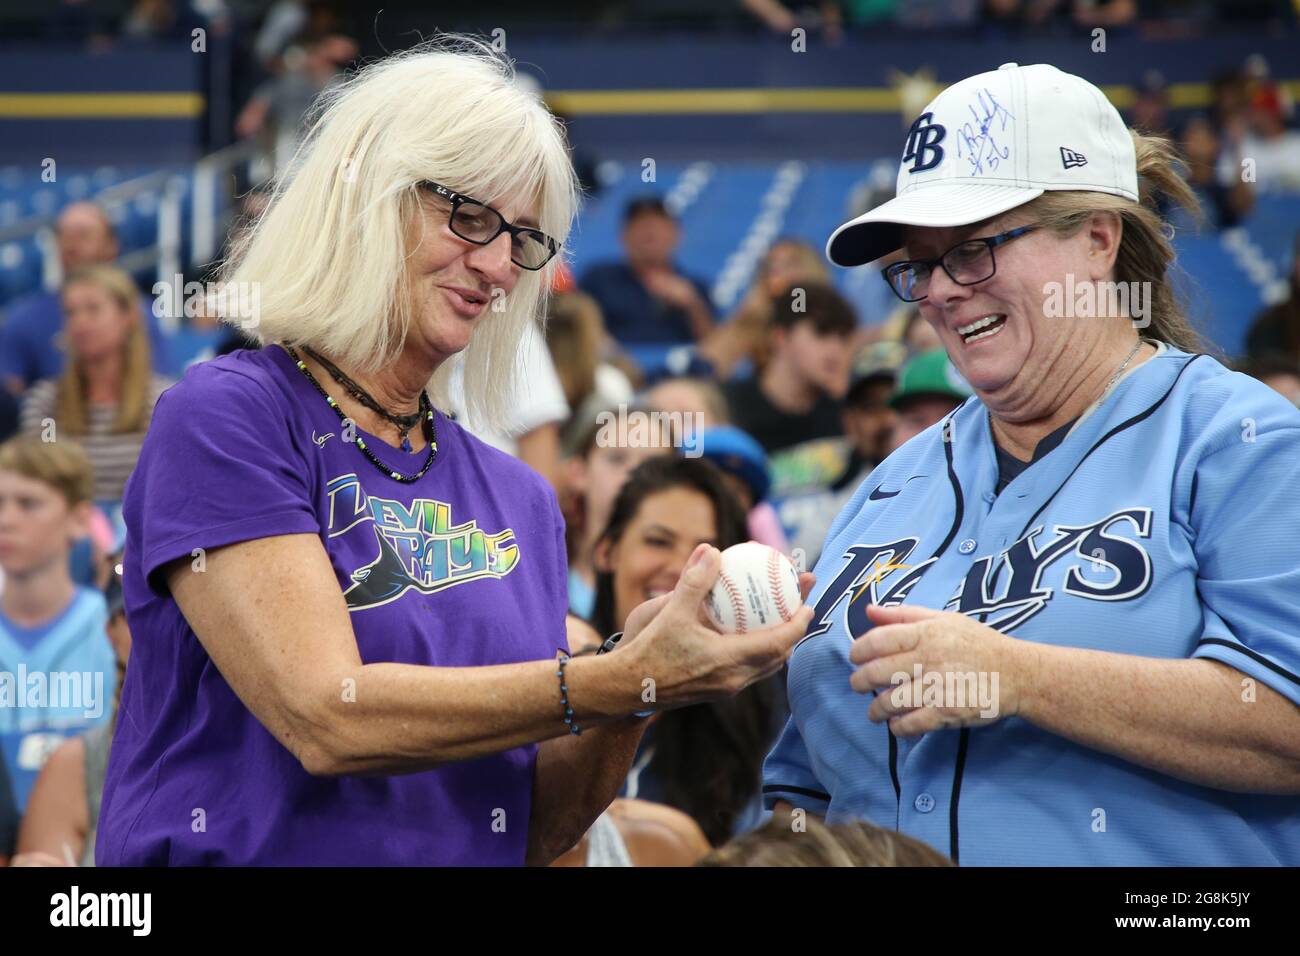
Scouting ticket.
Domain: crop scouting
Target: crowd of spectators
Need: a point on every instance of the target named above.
(805, 399)
(784, 408)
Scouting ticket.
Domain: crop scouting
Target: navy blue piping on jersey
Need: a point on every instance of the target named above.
(954, 848)
(1253, 655)
(893, 775)
(802, 791)
(960, 767)
(1122, 426)
(959, 506)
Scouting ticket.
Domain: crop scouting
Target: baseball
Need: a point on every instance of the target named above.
(757, 587)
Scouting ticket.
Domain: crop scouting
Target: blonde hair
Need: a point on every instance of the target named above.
(62, 465)
(575, 330)
(812, 265)
(331, 251)
(857, 843)
(133, 409)
(1146, 253)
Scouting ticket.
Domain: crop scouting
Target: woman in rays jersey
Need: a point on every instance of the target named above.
(1075, 602)
(346, 610)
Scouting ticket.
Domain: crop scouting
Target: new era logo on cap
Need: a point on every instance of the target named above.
(990, 143)
(1071, 159)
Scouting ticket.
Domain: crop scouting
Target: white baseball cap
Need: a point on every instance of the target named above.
(993, 142)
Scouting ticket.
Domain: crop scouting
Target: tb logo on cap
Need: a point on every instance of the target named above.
(923, 141)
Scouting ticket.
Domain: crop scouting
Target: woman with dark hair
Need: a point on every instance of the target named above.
(592, 478)
(705, 759)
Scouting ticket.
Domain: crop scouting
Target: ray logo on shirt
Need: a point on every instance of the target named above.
(419, 545)
(1107, 565)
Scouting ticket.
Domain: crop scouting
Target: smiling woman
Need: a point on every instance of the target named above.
(345, 650)
(703, 760)
(1104, 534)
(366, 229)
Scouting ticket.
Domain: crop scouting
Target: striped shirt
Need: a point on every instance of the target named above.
(112, 454)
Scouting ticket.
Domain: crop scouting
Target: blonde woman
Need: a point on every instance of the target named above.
(346, 610)
(107, 391)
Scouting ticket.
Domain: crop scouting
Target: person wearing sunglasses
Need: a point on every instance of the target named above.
(1073, 604)
(348, 613)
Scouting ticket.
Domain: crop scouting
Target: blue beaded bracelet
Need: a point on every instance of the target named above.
(611, 642)
(564, 696)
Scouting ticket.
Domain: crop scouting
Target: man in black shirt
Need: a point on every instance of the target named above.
(797, 396)
(793, 408)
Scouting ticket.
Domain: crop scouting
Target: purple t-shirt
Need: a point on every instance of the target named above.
(465, 567)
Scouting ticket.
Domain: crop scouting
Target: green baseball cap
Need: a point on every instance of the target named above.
(930, 374)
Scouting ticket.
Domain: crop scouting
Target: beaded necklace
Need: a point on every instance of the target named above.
(426, 409)
(404, 423)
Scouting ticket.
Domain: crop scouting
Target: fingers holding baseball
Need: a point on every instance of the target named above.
(807, 581)
(751, 594)
(697, 579)
(761, 654)
(643, 614)
(772, 643)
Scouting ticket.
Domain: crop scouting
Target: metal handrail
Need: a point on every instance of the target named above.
(204, 225)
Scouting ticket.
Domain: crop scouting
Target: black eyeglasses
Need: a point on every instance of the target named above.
(479, 223)
(966, 263)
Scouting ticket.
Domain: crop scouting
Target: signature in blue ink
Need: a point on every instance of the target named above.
(978, 140)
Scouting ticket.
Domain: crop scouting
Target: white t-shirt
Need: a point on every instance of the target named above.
(1276, 162)
(538, 400)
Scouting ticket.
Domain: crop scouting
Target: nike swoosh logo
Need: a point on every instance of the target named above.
(877, 494)
(322, 439)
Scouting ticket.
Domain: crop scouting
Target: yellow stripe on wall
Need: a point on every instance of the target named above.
(809, 100)
(572, 102)
(749, 100)
(101, 105)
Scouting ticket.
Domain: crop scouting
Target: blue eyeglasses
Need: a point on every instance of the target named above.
(966, 263)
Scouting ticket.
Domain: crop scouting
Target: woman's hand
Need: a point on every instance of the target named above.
(680, 659)
(969, 673)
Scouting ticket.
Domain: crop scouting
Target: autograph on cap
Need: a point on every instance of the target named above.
(977, 141)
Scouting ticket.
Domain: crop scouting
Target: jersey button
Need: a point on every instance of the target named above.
(967, 546)
(924, 803)
(990, 497)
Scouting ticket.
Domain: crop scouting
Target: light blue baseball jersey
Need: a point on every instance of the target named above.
(1166, 524)
(55, 682)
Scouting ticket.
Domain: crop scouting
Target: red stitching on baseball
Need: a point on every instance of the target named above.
(774, 581)
(737, 603)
